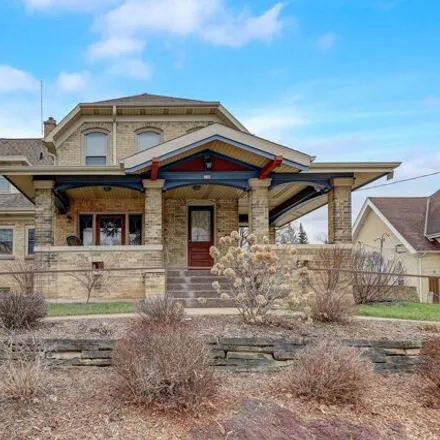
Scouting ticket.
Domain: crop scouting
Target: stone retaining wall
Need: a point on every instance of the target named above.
(244, 354)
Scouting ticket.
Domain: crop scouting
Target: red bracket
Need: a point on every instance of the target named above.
(270, 166)
(154, 168)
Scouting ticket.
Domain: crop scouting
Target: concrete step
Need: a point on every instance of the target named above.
(195, 279)
(186, 273)
(195, 294)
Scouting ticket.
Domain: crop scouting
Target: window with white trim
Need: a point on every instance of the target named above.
(5, 186)
(147, 139)
(30, 240)
(96, 148)
(6, 241)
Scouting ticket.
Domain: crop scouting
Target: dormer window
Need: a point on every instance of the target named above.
(96, 148)
(147, 139)
(5, 186)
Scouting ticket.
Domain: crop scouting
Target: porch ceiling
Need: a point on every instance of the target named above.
(98, 192)
(216, 192)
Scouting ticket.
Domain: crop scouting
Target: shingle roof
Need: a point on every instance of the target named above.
(433, 221)
(33, 149)
(15, 201)
(407, 215)
(147, 99)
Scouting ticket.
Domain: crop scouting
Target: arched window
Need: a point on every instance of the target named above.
(147, 140)
(96, 148)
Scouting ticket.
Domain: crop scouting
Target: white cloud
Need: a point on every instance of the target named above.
(76, 5)
(13, 80)
(136, 69)
(73, 82)
(114, 47)
(326, 41)
(241, 29)
(210, 20)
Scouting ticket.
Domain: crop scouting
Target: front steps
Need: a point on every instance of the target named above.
(189, 285)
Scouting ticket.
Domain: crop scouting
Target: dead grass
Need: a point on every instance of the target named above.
(86, 403)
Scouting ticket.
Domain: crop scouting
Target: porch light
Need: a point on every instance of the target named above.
(208, 162)
(196, 187)
(107, 189)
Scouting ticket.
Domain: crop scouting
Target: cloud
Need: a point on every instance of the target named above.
(73, 82)
(76, 5)
(114, 47)
(15, 80)
(209, 20)
(327, 41)
(131, 68)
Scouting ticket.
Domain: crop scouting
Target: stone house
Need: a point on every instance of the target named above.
(409, 228)
(156, 181)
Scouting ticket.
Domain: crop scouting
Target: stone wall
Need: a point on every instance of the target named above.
(246, 354)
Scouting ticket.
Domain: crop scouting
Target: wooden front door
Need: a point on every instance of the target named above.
(200, 235)
(110, 230)
(435, 290)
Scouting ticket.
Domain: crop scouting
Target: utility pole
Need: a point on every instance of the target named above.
(381, 239)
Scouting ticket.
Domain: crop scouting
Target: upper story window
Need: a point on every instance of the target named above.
(147, 139)
(96, 148)
(5, 186)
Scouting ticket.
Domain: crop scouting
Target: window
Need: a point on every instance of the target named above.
(95, 148)
(6, 241)
(147, 139)
(135, 229)
(86, 229)
(30, 240)
(4, 185)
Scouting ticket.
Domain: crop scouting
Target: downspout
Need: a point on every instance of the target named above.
(114, 136)
(420, 256)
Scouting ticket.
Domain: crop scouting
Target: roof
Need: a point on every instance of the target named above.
(147, 99)
(16, 201)
(433, 215)
(407, 215)
(33, 149)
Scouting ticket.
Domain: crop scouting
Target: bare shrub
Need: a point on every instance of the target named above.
(22, 274)
(332, 300)
(159, 310)
(374, 277)
(331, 373)
(19, 310)
(259, 276)
(23, 369)
(429, 368)
(166, 366)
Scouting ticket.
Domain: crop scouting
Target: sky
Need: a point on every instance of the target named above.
(343, 80)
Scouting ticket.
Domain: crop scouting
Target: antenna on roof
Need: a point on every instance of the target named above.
(41, 108)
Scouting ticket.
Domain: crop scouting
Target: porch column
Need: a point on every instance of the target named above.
(44, 235)
(259, 207)
(153, 211)
(339, 211)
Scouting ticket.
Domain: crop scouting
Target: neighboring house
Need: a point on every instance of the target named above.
(157, 180)
(410, 227)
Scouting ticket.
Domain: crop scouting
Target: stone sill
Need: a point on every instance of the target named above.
(76, 249)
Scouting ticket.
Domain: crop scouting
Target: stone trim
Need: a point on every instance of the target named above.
(122, 248)
(44, 184)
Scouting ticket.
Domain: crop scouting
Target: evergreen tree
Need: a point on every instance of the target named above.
(302, 235)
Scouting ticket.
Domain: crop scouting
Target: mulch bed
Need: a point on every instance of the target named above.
(93, 404)
(230, 326)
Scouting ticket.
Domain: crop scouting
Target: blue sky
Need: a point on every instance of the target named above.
(348, 80)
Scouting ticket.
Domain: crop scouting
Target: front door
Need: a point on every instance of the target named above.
(434, 288)
(110, 230)
(200, 235)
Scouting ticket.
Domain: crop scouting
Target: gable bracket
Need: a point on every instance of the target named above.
(270, 166)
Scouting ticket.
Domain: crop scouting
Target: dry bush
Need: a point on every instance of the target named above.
(332, 300)
(374, 277)
(259, 276)
(23, 369)
(429, 368)
(331, 373)
(22, 274)
(161, 310)
(166, 366)
(21, 309)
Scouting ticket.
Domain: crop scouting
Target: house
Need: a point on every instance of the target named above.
(410, 229)
(156, 181)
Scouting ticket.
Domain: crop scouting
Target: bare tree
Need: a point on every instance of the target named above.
(101, 278)
(374, 276)
(22, 274)
(288, 234)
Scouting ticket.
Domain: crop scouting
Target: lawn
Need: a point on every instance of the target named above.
(417, 311)
(101, 308)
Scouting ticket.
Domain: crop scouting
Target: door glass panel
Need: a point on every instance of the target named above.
(110, 231)
(200, 226)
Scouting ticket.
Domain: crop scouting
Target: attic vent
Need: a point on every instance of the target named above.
(41, 155)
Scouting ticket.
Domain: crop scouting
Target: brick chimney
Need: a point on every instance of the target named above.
(49, 125)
